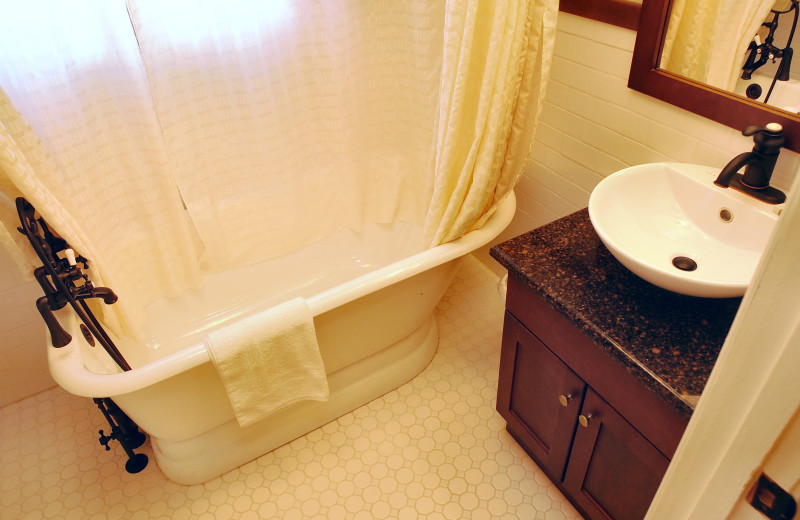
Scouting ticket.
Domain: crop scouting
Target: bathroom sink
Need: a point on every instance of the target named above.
(670, 225)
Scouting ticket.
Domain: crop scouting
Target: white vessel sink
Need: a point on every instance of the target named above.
(672, 226)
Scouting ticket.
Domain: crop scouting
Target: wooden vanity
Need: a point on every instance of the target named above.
(599, 370)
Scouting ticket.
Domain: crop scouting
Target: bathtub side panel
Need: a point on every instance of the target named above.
(195, 401)
(180, 407)
(369, 324)
(221, 449)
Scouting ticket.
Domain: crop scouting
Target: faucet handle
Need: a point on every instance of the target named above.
(771, 128)
(768, 140)
(69, 254)
(58, 336)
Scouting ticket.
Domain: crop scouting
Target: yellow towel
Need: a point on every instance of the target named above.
(269, 361)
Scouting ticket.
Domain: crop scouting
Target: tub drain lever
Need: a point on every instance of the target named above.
(124, 430)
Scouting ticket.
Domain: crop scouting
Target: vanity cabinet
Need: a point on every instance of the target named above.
(601, 436)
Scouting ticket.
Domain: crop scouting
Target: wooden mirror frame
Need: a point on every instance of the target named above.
(718, 105)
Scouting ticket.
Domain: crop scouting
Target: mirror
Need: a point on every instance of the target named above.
(694, 95)
(742, 46)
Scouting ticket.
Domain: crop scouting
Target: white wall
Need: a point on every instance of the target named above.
(23, 361)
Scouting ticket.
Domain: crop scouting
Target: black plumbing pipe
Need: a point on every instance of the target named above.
(57, 278)
(124, 430)
(782, 74)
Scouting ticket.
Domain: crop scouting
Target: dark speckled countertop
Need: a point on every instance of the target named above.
(668, 341)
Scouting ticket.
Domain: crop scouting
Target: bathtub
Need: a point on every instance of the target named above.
(372, 295)
(786, 94)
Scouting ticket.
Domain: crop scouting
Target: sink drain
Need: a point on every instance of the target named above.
(684, 263)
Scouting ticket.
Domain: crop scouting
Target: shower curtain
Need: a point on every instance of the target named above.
(169, 139)
(333, 101)
(707, 40)
(82, 143)
(494, 75)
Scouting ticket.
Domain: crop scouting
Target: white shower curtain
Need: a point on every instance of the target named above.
(496, 64)
(288, 121)
(83, 144)
(273, 122)
(707, 40)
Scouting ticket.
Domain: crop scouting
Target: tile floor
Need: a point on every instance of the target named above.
(433, 448)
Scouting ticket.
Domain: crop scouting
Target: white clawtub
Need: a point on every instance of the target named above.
(372, 294)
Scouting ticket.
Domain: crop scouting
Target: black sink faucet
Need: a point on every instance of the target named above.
(758, 165)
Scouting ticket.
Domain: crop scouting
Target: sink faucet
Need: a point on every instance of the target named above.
(758, 165)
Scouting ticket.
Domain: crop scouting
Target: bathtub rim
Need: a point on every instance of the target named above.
(68, 370)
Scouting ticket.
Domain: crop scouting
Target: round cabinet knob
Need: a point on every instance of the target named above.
(584, 420)
(564, 399)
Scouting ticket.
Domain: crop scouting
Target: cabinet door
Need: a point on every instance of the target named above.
(538, 396)
(613, 470)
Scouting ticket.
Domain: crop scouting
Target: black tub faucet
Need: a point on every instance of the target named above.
(758, 165)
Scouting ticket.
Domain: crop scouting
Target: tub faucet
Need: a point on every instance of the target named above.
(759, 54)
(758, 165)
(58, 276)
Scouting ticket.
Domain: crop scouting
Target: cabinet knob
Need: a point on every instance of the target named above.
(584, 420)
(565, 399)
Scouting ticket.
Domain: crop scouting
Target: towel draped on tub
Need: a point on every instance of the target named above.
(269, 361)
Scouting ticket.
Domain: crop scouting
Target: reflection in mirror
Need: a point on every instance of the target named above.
(742, 46)
(695, 95)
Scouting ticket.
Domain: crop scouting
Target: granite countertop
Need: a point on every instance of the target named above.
(667, 340)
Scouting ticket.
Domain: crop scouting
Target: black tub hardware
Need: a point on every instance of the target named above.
(758, 165)
(124, 430)
(762, 53)
(63, 282)
(87, 335)
(58, 276)
(754, 91)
